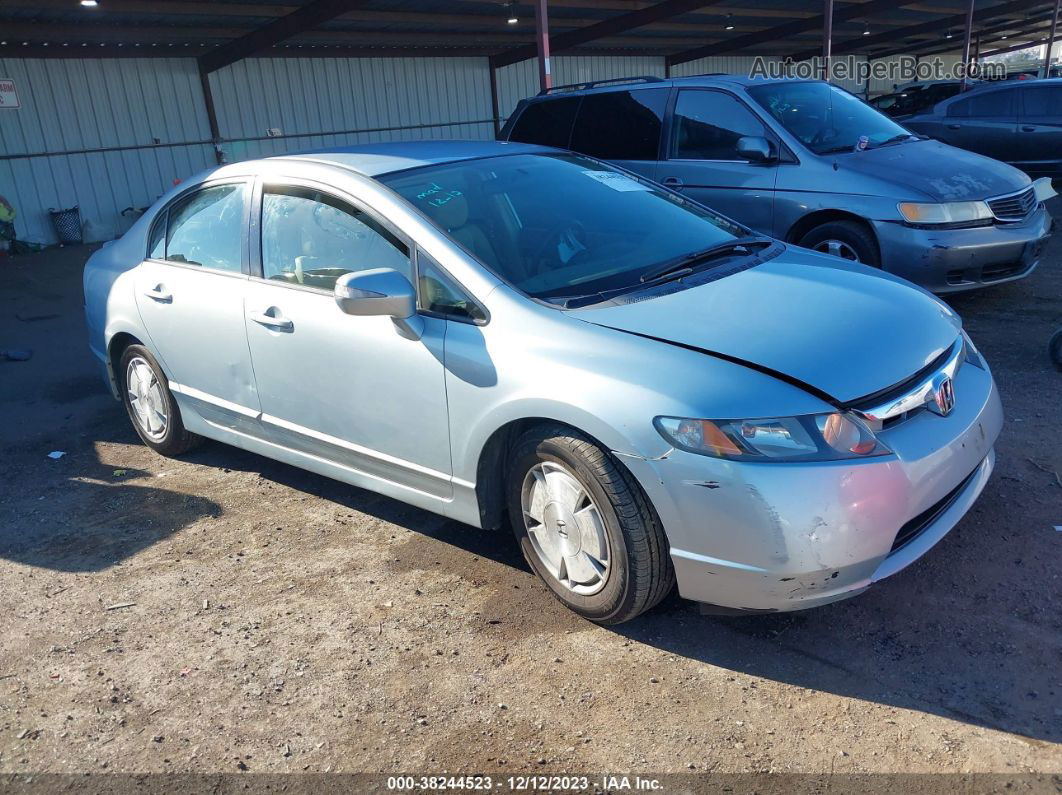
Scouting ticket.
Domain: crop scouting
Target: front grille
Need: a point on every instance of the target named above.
(1015, 207)
(914, 528)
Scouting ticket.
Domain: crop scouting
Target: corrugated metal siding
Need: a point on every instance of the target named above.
(70, 107)
(520, 80)
(319, 102)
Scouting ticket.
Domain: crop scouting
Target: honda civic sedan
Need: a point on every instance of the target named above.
(501, 333)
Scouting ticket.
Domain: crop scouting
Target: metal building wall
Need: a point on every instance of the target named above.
(319, 102)
(102, 134)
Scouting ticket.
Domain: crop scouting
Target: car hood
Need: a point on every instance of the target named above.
(936, 170)
(843, 330)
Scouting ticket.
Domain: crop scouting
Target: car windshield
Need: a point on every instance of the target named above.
(560, 225)
(825, 118)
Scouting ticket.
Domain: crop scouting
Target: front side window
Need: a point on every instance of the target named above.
(620, 125)
(555, 225)
(206, 228)
(987, 105)
(1043, 101)
(824, 118)
(547, 123)
(311, 238)
(708, 125)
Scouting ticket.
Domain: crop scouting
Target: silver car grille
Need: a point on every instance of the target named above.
(1014, 207)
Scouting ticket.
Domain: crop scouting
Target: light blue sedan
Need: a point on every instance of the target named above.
(645, 390)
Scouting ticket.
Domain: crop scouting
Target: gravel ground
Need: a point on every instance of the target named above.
(223, 612)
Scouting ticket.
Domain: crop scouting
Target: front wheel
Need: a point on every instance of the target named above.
(845, 239)
(585, 526)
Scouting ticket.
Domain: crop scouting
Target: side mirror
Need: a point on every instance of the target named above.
(755, 149)
(380, 291)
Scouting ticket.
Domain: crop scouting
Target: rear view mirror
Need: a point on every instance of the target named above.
(755, 149)
(380, 291)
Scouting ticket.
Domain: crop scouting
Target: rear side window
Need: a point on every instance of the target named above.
(989, 105)
(621, 125)
(206, 228)
(1043, 101)
(548, 123)
(708, 125)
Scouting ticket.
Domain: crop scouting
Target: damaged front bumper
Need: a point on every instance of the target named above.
(788, 536)
(950, 260)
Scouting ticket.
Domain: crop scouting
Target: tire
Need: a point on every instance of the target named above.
(554, 462)
(151, 391)
(1054, 349)
(848, 239)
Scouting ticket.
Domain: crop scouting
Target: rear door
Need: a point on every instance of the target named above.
(702, 159)
(986, 122)
(1040, 130)
(190, 292)
(623, 127)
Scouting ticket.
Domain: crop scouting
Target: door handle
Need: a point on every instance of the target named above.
(1028, 128)
(954, 126)
(159, 293)
(672, 182)
(274, 321)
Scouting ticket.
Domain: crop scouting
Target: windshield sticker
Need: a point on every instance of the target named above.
(616, 181)
(437, 196)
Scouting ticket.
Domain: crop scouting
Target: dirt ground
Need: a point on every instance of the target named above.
(277, 621)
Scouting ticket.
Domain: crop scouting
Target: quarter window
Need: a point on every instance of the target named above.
(987, 105)
(440, 294)
(206, 228)
(708, 124)
(311, 238)
(620, 125)
(548, 123)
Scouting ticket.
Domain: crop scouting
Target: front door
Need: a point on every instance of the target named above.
(703, 163)
(355, 391)
(984, 122)
(190, 293)
(1040, 139)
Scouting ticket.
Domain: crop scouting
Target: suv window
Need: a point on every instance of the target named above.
(206, 228)
(620, 125)
(548, 123)
(708, 124)
(990, 104)
(311, 238)
(1043, 101)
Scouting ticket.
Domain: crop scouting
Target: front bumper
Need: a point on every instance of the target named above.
(950, 260)
(775, 537)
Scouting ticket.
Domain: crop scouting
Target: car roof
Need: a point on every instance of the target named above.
(374, 160)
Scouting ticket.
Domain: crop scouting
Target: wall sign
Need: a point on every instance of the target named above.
(8, 95)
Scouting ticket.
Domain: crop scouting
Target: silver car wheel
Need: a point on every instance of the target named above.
(837, 248)
(146, 398)
(566, 529)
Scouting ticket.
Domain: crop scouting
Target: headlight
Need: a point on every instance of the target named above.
(949, 213)
(813, 437)
(1044, 189)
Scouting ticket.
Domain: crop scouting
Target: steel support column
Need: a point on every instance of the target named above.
(545, 75)
(966, 42)
(827, 37)
(494, 113)
(1051, 40)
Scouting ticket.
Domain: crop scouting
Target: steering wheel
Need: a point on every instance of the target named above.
(553, 238)
(822, 136)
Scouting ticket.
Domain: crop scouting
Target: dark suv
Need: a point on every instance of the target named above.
(810, 163)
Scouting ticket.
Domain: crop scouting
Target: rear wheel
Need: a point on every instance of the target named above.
(845, 239)
(147, 397)
(585, 526)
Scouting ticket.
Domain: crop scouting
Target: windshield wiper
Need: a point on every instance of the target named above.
(894, 140)
(681, 266)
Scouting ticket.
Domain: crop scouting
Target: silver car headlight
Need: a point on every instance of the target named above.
(811, 437)
(1044, 189)
(945, 213)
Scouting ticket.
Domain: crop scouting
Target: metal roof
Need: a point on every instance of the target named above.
(679, 30)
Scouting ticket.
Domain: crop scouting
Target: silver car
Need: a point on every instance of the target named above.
(497, 332)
